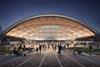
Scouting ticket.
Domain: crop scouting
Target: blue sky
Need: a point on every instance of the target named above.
(87, 11)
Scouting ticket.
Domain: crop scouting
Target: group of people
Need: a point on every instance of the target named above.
(18, 51)
(59, 48)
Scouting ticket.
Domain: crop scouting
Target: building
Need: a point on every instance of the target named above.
(49, 27)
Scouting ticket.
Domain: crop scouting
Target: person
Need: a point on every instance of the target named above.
(59, 49)
(48, 46)
(37, 49)
(67, 45)
(55, 47)
(90, 47)
(40, 47)
(15, 51)
(24, 47)
(20, 50)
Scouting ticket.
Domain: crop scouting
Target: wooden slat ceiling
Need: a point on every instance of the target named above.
(49, 28)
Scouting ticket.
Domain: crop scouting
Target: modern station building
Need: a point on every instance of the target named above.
(49, 28)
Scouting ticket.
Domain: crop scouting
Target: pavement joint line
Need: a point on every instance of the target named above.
(90, 60)
(9, 60)
(31, 53)
(75, 61)
(26, 60)
(58, 60)
(42, 60)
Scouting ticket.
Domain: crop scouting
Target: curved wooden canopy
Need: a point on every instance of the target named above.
(49, 27)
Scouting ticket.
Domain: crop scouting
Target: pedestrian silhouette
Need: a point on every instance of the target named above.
(40, 47)
(59, 49)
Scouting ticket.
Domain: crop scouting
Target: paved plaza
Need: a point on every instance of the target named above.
(50, 58)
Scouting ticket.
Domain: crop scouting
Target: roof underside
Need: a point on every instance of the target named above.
(50, 28)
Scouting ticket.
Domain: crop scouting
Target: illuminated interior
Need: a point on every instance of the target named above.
(49, 27)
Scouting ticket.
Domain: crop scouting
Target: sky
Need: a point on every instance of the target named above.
(87, 11)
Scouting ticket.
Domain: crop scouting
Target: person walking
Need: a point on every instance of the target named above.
(59, 49)
(40, 47)
(37, 49)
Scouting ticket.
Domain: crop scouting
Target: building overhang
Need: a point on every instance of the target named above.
(50, 27)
